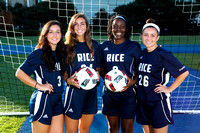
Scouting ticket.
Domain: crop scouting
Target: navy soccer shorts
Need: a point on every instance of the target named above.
(155, 113)
(44, 106)
(79, 101)
(121, 104)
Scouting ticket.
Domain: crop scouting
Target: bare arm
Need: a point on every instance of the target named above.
(130, 83)
(160, 88)
(31, 82)
(70, 80)
(101, 72)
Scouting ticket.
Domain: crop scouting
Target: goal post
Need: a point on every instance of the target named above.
(15, 48)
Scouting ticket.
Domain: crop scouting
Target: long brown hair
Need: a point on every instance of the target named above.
(47, 55)
(71, 39)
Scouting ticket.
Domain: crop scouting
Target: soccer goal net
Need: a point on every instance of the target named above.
(17, 44)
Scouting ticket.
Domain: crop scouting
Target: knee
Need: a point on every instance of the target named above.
(113, 128)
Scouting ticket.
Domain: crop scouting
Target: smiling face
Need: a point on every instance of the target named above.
(118, 30)
(53, 36)
(149, 38)
(80, 28)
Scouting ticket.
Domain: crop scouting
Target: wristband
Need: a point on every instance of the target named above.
(36, 84)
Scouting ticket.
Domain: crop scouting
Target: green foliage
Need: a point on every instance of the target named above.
(2, 5)
(32, 18)
(11, 124)
(168, 16)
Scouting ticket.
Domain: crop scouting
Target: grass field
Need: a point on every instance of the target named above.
(163, 39)
(17, 94)
(11, 124)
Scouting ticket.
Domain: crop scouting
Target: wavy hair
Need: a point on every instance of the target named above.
(47, 55)
(109, 28)
(71, 39)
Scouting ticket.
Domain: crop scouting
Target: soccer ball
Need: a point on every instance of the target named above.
(115, 80)
(87, 78)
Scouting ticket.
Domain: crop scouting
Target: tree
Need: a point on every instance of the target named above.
(31, 18)
(168, 16)
(2, 5)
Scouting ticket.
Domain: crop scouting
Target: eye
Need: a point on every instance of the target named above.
(114, 26)
(122, 27)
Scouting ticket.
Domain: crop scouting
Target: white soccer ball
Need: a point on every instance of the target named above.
(87, 78)
(115, 80)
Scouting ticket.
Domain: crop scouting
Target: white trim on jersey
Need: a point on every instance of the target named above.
(66, 92)
(37, 77)
(164, 111)
(41, 71)
(131, 68)
(167, 77)
(69, 101)
(44, 106)
(37, 102)
(169, 103)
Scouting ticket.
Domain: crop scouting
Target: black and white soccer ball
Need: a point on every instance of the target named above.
(115, 80)
(87, 78)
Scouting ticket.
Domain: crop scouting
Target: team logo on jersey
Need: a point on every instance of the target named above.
(141, 57)
(70, 110)
(84, 57)
(57, 66)
(106, 49)
(45, 116)
(115, 57)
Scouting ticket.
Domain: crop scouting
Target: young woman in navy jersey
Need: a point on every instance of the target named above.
(47, 64)
(120, 107)
(155, 68)
(79, 105)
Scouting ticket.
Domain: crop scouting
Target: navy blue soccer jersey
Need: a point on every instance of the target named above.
(80, 101)
(156, 67)
(125, 56)
(82, 57)
(36, 66)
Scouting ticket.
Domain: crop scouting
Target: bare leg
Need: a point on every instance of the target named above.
(113, 124)
(85, 122)
(147, 128)
(57, 124)
(71, 125)
(127, 125)
(38, 127)
(161, 130)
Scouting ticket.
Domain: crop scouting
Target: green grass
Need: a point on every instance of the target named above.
(11, 124)
(17, 93)
(136, 37)
(190, 60)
